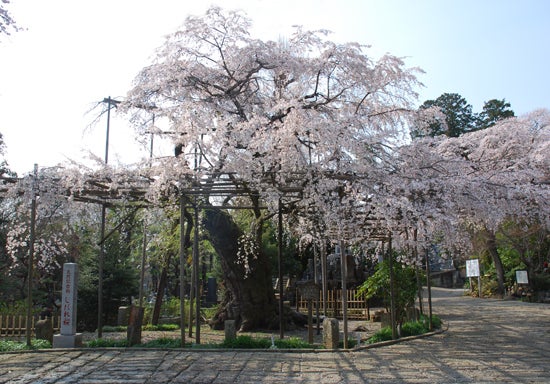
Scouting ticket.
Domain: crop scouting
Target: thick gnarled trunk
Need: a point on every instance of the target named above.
(249, 298)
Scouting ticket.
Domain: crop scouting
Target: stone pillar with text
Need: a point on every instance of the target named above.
(68, 338)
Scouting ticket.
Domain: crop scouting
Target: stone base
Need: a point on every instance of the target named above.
(67, 341)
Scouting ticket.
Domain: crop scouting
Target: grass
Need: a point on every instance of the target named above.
(147, 327)
(240, 342)
(249, 342)
(8, 345)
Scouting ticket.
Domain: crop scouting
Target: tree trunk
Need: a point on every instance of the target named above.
(493, 251)
(249, 297)
(160, 294)
(163, 279)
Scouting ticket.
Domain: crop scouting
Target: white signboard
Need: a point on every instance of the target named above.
(68, 299)
(521, 277)
(472, 268)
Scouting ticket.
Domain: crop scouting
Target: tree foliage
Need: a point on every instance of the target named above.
(405, 286)
(493, 111)
(7, 23)
(457, 116)
(451, 115)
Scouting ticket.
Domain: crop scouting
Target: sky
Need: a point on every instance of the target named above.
(71, 55)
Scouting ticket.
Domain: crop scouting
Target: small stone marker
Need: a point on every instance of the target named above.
(331, 333)
(68, 338)
(230, 330)
(123, 315)
(44, 329)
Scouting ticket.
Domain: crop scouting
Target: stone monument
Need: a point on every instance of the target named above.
(68, 338)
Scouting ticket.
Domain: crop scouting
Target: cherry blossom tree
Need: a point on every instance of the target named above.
(52, 229)
(304, 113)
(7, 23)
(481, 179)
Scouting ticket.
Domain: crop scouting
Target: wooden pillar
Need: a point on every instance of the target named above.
(196, 275)
(280, 268)
(392, 291)
(343, 268)
(429, 285)
(182, 272)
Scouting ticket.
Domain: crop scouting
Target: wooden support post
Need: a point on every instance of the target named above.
(182, 272)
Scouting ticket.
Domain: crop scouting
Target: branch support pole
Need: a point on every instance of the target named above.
(280, 267)
(182, 273)
(31, 254)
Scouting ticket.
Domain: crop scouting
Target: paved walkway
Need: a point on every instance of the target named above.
(488, 341)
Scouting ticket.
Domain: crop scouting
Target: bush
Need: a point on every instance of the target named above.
(164, 342)
(161, 327)
(107, 343)
(292, 343)
(8, 345)
(384, 334)
(16, 308)
(540, 281)
(411, 328)
(114, 328)
(246, 342)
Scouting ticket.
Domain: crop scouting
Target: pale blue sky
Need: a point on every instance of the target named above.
(75, 53)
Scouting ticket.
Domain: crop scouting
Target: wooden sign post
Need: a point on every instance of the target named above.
(309, 291)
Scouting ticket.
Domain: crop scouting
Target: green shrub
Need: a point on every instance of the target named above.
(161, 327)
(292, 343)
(436, 322)
(114, 328)
(540, 281)
(384, 334)
(107, 343)
(9, 345)
(18, 308)
(246, 342)
(209, 312)
(413, 328)
(165, 342)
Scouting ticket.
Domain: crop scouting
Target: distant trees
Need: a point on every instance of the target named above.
(455, 116)
(493, 111)
(480, 179)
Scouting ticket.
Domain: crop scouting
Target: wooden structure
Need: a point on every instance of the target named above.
(16, 325)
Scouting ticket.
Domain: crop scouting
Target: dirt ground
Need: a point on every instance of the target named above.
(357, 329)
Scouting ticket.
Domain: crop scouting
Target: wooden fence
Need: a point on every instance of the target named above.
(358, 305)
(16, 325)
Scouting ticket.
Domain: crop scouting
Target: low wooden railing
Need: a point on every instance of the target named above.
(16, 325)
(358, 305)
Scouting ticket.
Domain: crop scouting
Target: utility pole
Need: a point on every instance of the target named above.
(110, 104)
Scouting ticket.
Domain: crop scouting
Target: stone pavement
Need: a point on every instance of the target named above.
(487, 341)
